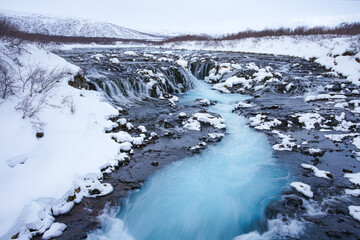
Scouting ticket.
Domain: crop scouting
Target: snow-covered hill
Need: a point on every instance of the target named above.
(35, 23)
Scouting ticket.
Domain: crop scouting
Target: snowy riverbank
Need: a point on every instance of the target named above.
(338, 53)
(38, 174)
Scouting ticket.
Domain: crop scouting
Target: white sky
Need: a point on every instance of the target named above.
(210, 16)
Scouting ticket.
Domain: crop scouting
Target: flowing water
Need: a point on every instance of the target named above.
(218, 194)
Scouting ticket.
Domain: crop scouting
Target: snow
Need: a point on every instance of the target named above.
(182, 115)
(63, 208)
(125, 146)
(192, 124)
(302, 188)
(130, 53)
(353, 177)
(182, 63)
(142, 129)
(62, 26)
(216, 135)
(309, 119)
(55, 230)
(37, 175)
(354, 211)
(324, 97)
(114, 60)
(344, 126)
(353, 192)
(216, 122)
(356, 142)
(230, 82)
(122, 121)
(122, 136)
(259, 123)
(287, 143)
(242, 105)
(340, 137)
(326, 49)
(317, 172)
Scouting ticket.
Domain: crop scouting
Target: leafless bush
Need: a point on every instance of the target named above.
(31, 106)
(36, 82)
(69, 101)
(40, 79)
(343, 29)
(7, 82)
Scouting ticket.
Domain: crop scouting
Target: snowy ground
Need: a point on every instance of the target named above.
(37, 175)
(326, 50)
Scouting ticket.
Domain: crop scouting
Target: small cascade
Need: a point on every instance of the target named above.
(147, 83)
(200, 70)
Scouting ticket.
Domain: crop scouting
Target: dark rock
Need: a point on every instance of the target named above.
(349, 53)
(154, 163)
(79, 82)
(94, 191)
(39, 134)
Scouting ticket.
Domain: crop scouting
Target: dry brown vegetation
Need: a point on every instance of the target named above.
(10, 31)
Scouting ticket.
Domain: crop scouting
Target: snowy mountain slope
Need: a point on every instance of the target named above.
(35, 23)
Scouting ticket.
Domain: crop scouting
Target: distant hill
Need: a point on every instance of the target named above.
(59, 26)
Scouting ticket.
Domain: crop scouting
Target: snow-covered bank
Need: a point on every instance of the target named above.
(38, 173)
(333, 52)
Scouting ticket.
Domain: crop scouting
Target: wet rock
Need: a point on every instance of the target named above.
(154, 163)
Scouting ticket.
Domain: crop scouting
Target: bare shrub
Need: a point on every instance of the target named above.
(40, 79)
(7, 82)
(69, 102)
(31, 106)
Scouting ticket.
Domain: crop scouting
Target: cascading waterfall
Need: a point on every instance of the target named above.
(170, 80)
(218, 194)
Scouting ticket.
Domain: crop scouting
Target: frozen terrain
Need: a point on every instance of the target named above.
(86, 136)
(60, 26)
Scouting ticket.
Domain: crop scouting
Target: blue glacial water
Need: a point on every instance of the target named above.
(218, 194)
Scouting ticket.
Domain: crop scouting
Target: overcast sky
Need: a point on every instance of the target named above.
(210, 16)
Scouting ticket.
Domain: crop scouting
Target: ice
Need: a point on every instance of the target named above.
(302, 188)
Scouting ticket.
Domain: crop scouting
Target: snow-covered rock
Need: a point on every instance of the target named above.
(302, 188)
